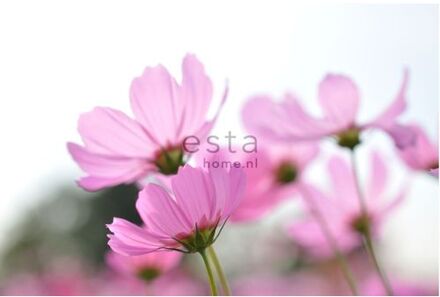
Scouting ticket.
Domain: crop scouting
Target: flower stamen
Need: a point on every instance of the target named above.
(169, 160)
(286, 173)
(349, 138)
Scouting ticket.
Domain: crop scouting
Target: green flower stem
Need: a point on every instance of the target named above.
(368, 242)
(323, 224)
(223, 281)
(212, 284)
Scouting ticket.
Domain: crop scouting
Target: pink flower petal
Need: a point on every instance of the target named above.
(378, 177)
(129, 239)
(403, 135)
(106, 171)
(162, 261)
(388, 117)
(414, 147)
(170, 112)
(303, 125)
(194, 193)
(154, 99)
(258, 116)
(344, 188)
(110, 132)
(397, 200)
(284, 121)
(308, 232)
(237, 186)
(196, 95)
(204, 130)
(159, 210)
(339, 98)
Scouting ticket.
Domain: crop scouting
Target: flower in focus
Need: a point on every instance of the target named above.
(118, 149)
(273, 174)
(415, 149)
(339, 99)
(188, 220)
(341, 210)
(147, 267)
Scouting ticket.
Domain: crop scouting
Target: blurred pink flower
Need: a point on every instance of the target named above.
(415, 149)
(341, 210)
(179, 283)
(173, 282)
(49, 283)
(373, 287)
(297, 284)
(273, 174)
(111, 284)
(339, 99)
(147, 267)
(187, 219)
(118, 149)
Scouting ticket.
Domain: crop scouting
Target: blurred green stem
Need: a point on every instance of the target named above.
(368, 242)
(211, 279)
(223, 281)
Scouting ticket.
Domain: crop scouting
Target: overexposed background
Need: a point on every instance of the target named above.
(58, 59)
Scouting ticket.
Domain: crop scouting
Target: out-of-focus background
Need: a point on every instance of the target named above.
(59, 59)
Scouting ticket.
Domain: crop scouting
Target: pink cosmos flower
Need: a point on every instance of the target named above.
(147, 267)
(119, 149)
(415, 149)
(187, 219)
(273, 174)
(341, 210)
(150, 274)
(339, 99)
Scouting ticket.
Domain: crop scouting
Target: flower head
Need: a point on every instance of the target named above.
(273, 174)
(147, 267)
(339, 99)
(188, 219)
(340, 208)
(415, 149)
(119, 149)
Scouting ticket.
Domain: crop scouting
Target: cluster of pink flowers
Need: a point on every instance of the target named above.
(185, 207)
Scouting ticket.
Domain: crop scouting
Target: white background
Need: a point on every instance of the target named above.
(58, 59)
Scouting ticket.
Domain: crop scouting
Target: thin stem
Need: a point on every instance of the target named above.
(368, 242)
(212, 284)
(342, 261)
(219, 269)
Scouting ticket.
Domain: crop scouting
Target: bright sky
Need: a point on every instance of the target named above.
(58, 59)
